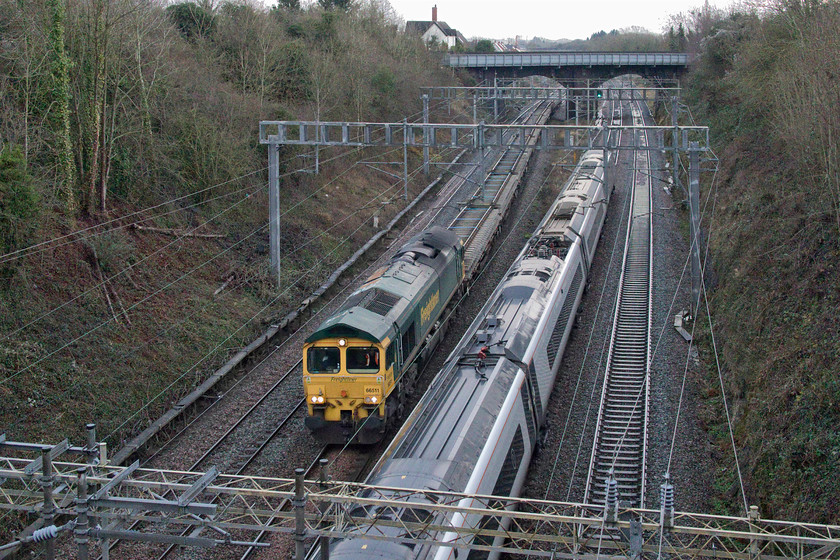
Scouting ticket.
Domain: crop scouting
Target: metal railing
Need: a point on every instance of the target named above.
(102, 496)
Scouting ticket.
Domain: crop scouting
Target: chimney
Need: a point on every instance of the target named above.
(434, 12)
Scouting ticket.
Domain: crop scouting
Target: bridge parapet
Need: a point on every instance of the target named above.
(567, 66)
(560, 59)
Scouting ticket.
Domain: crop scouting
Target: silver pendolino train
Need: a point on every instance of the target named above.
(478, 424)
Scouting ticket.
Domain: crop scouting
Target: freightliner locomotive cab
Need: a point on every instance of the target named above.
(360, 364)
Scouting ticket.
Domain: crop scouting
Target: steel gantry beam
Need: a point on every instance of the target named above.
(538, 93)
(535, 528)
(469, 136)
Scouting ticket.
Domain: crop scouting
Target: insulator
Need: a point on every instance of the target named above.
(45, 534)
(612, 498)
(666, 499)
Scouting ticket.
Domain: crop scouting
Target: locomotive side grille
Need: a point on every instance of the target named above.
(563, 319)
(379, 301)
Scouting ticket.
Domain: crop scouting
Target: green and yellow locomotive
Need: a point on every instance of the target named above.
(361, 363)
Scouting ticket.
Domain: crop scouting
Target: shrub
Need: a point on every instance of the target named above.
(19, 200)
(192, 20)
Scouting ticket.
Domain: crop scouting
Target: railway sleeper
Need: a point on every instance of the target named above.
(616, 443)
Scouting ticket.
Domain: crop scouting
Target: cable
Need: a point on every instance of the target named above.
(26, 251)
(129, 267)
(583, 364)
(48, 244)
(723, 395)
(134, 306)
(598, 368)
(166, 246)
(463, 297)
(323, 187)
(260, 312)
(157, 336)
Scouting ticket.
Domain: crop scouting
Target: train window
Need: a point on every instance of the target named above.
(363, 360)
(408, 341)
(390, 356)
(323, 360)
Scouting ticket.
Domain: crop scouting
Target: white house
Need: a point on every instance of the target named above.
(435, 31)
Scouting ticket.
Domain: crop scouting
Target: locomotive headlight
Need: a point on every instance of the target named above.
(317, 400)
(342, 342)
(371, 400)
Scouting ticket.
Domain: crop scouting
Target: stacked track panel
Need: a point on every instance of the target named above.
(479, 220)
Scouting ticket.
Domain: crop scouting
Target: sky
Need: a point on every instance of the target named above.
(560, 19)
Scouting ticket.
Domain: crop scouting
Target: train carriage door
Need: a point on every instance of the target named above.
(398, 350)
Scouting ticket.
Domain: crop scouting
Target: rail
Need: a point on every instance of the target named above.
(618, 460)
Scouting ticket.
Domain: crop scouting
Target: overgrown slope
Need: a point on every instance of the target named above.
(767, 85)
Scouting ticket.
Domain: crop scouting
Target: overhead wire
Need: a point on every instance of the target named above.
(110, 320)
(332, 299)
(726, 409)
(582, 368)
(712, 191)
(158, 251)
(466, 292)
(639, 397)
(184, 319)
(50, 244)
(253, 317)
(158, 291)
(595, 384)
(132, 266)
(332, 180)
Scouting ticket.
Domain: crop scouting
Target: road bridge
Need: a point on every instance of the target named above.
(566, 66)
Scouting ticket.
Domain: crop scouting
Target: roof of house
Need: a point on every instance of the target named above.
(420, 27)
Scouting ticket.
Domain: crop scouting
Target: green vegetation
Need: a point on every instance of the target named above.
(483, 46)
(631, 39)
(136, 124)
(19, 202)
(767, 84)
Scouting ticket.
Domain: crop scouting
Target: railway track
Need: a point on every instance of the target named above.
(478, 220)
(240, 446)
(619, 449)
(242, 457)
